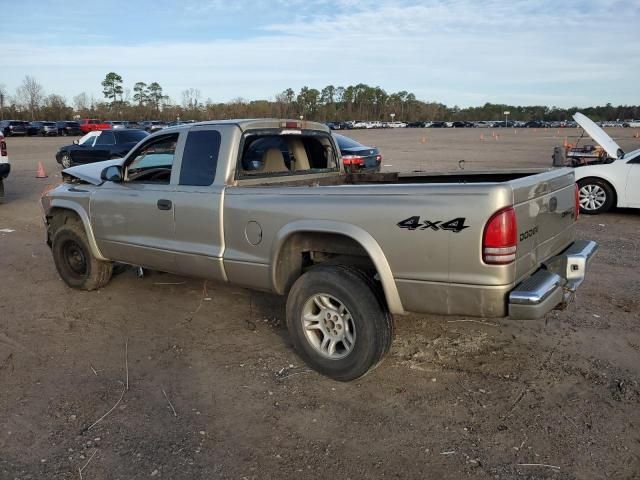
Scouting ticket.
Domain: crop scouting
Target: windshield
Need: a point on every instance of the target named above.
(89, 139)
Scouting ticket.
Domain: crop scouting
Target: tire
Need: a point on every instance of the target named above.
(596, 196)
(74, 261)
(64, 133)
(66, 161)
(338, 321)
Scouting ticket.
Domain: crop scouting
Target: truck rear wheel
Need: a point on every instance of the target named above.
(338, 321)
(74, 261)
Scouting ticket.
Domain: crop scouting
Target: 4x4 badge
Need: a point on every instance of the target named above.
(413, 223)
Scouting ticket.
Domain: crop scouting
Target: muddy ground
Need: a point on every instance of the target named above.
(456, 398)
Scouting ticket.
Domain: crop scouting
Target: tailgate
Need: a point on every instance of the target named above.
(545, 212)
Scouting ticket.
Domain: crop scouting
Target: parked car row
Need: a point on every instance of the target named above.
(361, 124)
(15, 128)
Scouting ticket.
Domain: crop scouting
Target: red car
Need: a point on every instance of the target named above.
(90, 124)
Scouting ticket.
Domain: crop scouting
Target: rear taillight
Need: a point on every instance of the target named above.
(500, 238)
(3, 148)
(378, 158)
(352, 160)
(576, 206)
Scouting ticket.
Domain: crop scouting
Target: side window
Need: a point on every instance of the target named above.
(153, 161)
(200, 158)
(106, 138)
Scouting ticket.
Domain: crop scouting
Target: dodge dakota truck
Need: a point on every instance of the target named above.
(265, 204)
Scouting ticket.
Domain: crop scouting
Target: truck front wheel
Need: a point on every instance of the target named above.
(338, 321)
(74, 260)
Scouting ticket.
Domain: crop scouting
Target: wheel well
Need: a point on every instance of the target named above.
(303, 250)
(57, 217)
(615, 194)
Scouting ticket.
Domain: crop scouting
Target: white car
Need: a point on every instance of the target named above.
(613, 183)
(5, 166)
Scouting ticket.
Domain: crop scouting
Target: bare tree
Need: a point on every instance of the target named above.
(81, 102)
(190, 98)
(30, 93)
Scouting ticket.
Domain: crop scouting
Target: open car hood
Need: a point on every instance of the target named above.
(599, 136)
(90, 172)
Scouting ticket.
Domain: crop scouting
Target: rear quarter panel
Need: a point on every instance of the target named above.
(425, 253)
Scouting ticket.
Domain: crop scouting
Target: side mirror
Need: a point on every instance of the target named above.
(112, 173)
(76, 142)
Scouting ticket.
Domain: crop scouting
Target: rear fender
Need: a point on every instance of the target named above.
(363, 238)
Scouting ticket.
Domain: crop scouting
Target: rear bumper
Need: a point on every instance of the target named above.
(554, 285)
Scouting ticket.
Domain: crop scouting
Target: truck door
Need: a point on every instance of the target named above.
(198, 205)
(133, 220)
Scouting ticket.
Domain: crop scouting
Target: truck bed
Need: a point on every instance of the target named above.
(395, 178)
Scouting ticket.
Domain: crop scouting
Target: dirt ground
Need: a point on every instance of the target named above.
(456, 398)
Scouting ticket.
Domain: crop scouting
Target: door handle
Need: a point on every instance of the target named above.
(164, 204)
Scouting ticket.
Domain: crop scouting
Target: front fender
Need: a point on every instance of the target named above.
(593, 171)
(86, 222)
(361, 236)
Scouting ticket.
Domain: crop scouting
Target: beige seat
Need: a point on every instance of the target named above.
(274, 161)
(296, 147)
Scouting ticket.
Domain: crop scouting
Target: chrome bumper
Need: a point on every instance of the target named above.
(554, 285)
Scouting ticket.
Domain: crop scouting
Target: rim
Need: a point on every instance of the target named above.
(592, 197)
(66, 161)
(328, 326)
(74, 258)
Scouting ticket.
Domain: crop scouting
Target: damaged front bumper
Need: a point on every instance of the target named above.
(554, 285)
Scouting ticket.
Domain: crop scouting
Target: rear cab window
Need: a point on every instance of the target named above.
(270, 153)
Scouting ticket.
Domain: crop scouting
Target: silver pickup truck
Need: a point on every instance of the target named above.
(265, 204)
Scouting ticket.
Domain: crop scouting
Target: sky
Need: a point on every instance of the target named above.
(458, 52)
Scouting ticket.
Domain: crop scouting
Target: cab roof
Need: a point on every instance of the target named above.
(261, 123)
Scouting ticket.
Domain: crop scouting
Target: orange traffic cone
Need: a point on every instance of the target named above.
(41, 173)
(482, 137)
(493, 134)
(497, 136)
(423, 140)
(565, 143)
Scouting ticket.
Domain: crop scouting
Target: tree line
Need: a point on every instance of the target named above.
(147, 101)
